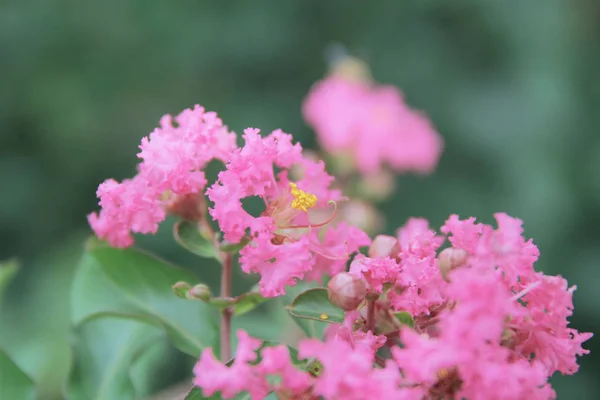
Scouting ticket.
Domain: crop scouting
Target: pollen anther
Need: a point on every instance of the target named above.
(302, 200)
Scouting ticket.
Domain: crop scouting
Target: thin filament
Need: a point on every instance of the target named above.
(310, 226)
(526, 290)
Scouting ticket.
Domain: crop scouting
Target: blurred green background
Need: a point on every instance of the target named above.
(513, 87)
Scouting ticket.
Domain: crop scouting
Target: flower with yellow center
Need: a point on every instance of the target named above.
(302, 200)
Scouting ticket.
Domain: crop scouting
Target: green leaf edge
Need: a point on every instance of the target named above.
(405, 318)
(94, 243)
(212, 253)
(307, 292)
(221, 303)
(29, 380)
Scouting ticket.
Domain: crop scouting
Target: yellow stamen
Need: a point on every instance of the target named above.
(302, 200)
(323, 316)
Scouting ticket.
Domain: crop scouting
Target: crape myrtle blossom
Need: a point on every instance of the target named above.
(422, 315)
(495, 326)
(246, 375)
(286, 243)
(468, 358)
(475, 354)
(173, 158)
(411, 268)
(371, 123)
(341, 371)
(541, 330)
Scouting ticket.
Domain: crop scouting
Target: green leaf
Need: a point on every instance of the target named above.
(241, 304)
(405, 318)
(196, 394)
(130, 282)
(314, 304)
(312, 328)
(235, 247)
(187, 234)
(8, 270)
(14, 383)
(104, 351)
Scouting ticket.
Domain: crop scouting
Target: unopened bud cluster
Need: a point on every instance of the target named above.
(346, 291)
(198, 292)
(450, 259)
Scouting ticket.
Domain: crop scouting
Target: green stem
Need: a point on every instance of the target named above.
(226, 313)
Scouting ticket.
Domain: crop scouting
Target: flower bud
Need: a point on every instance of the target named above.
(378, 186)
(362, 215)
(451, 258)
(346, 291)
(191, 207)
(384, 246)
(351, 69)
(342, 163)
(200, 292)
(181, 289)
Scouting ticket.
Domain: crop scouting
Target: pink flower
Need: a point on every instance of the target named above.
(339, 240)
(504, 247)
(467, 359)
(417, 230)
(542, 328)
(376, 271)
(277, 361)
(132, 205)
(173, 161)
(350, 332)
(421, 283)
(286, 240)
(278, 265)
(372, 123)
(246, 375)
(501, 328)
(212, 376)
(465, 233)
(348, 373)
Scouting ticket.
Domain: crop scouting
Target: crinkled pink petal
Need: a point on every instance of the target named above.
(212, 376)
(228, 210)
(354, 337)
(376, 271)
(276, 361)
(317, 181)
(418, 229)
(465, 234)
(278, 265)
(339, 243)
(129, 206)
(173, 158)
(547, 334)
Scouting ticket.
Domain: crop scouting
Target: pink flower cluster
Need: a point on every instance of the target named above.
(492, 328)
(484, 324)
(173, 158)
(340, 371)
(411, 267)
(285, 243)
(497, 326)
(373, 124)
